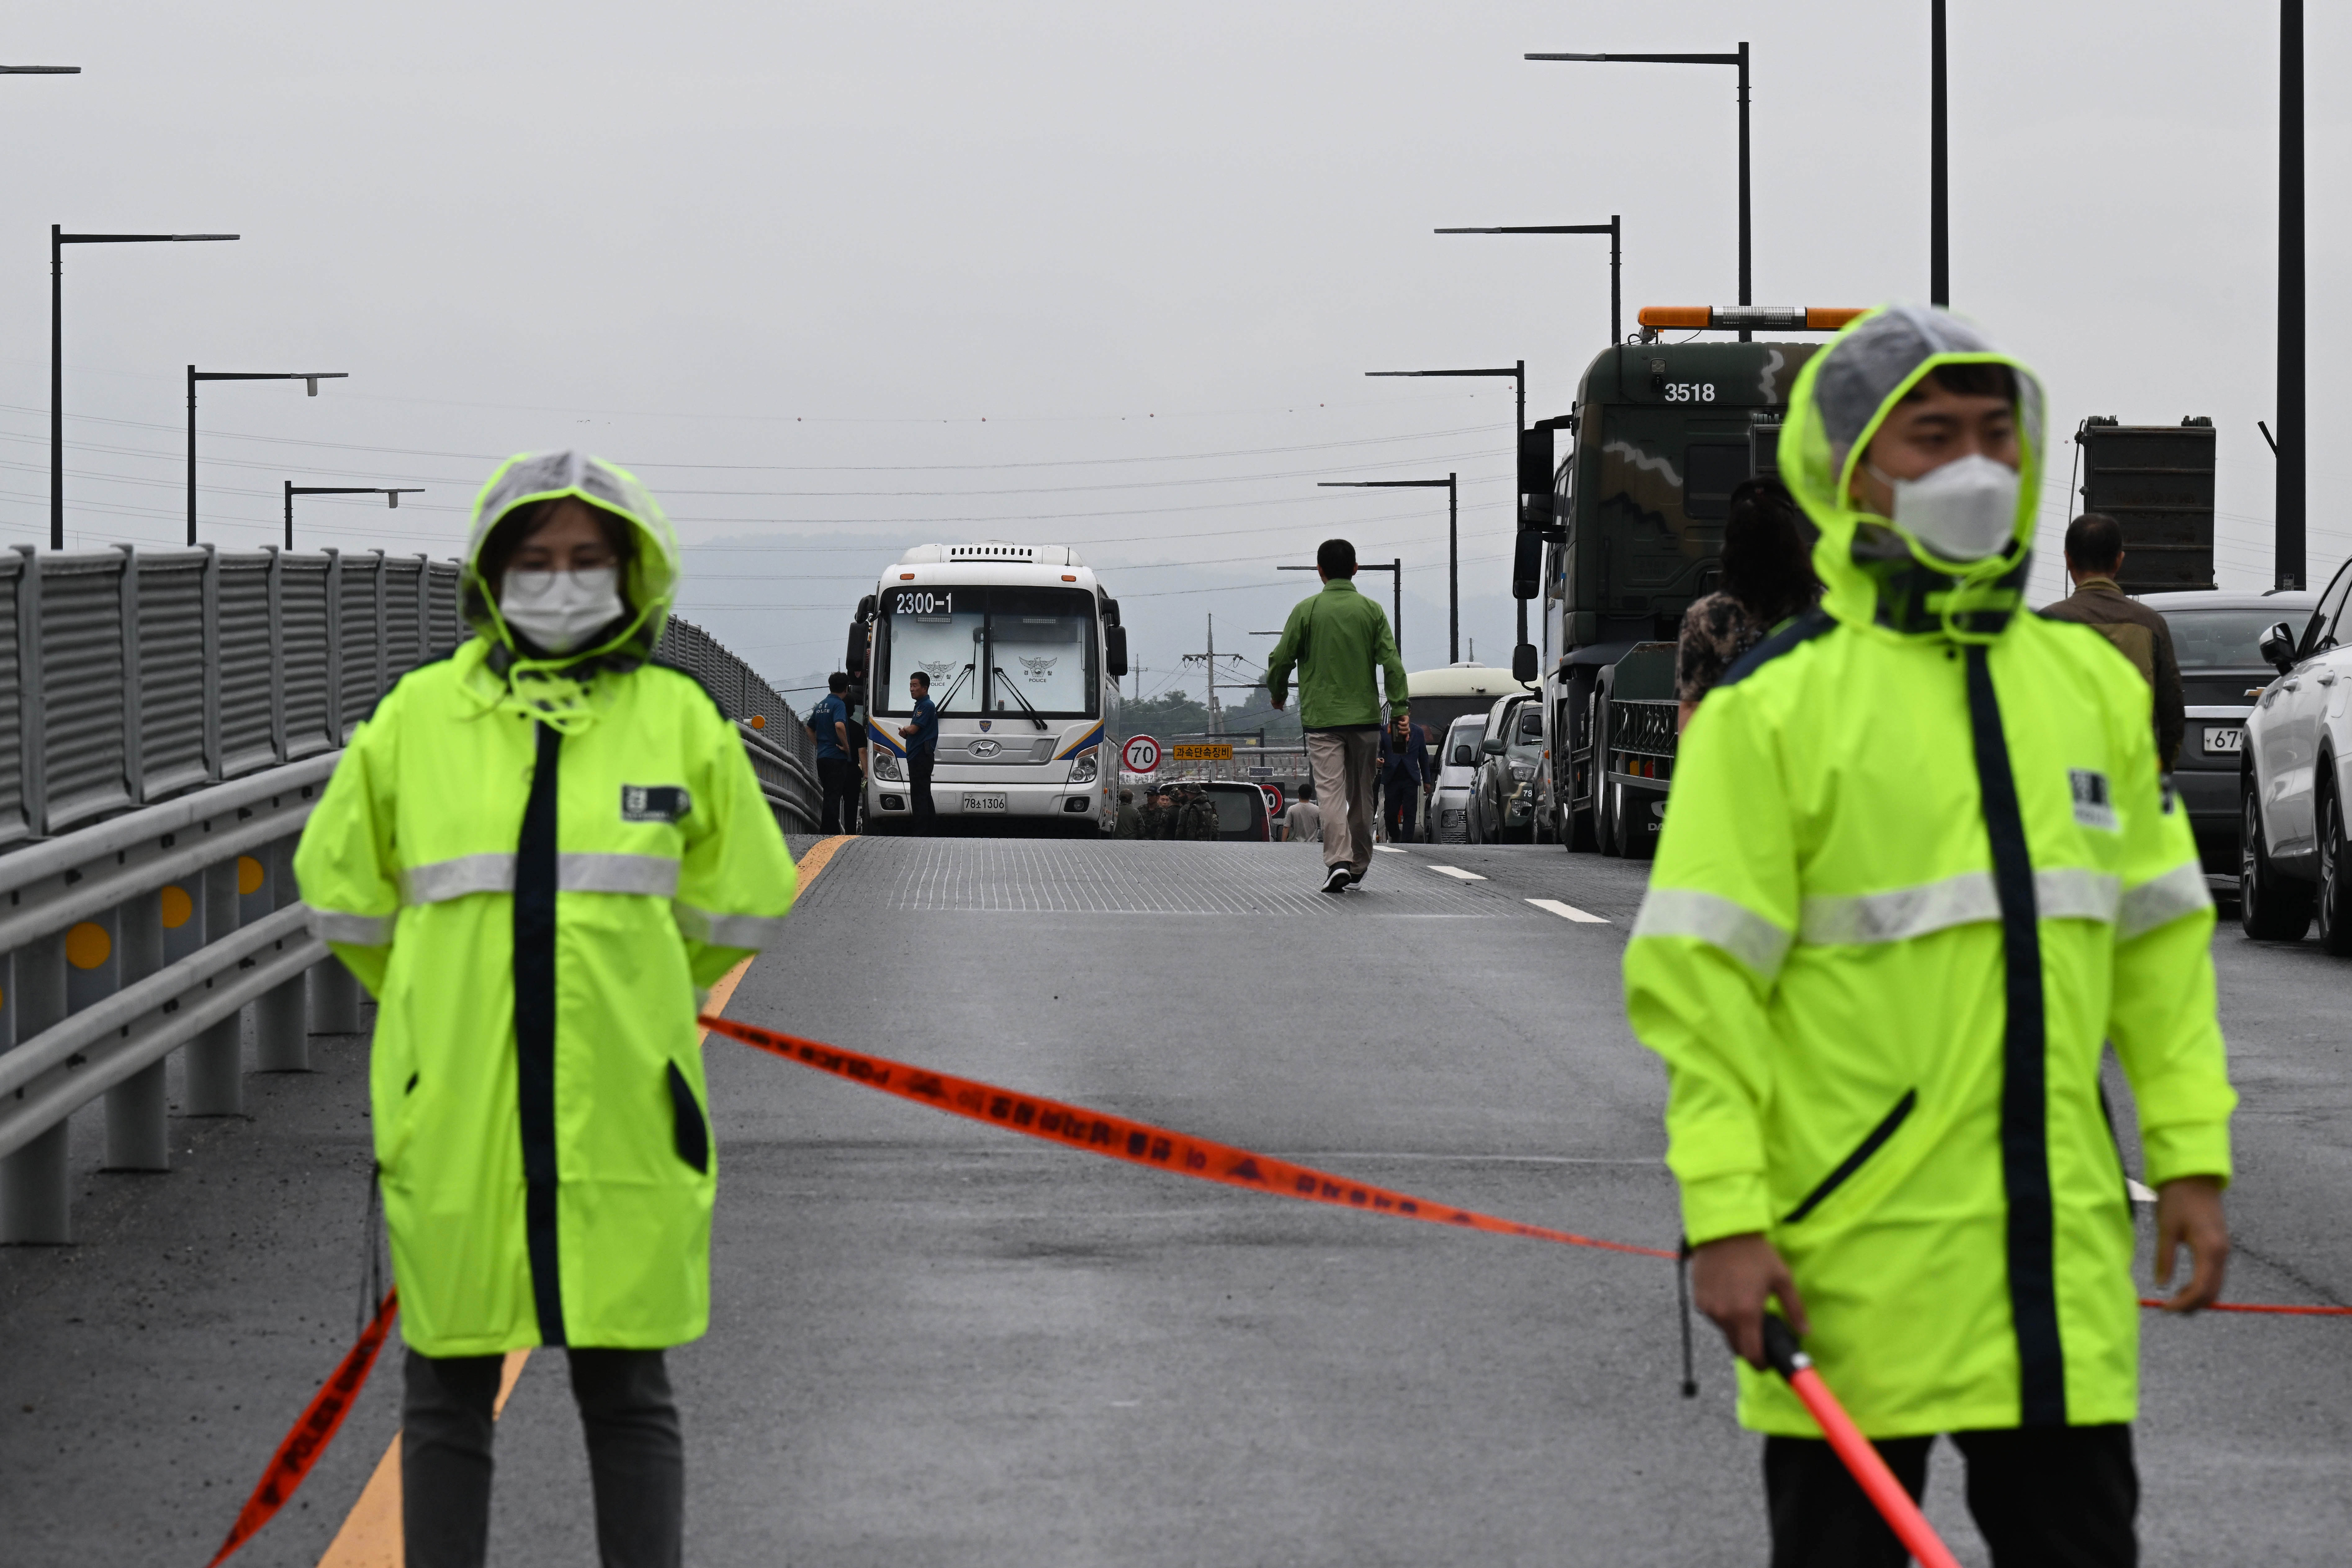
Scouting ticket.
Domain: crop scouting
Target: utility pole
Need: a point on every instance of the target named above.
(1215, 725)
(2291, 498)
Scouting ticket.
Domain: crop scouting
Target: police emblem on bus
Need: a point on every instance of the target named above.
(986, 724)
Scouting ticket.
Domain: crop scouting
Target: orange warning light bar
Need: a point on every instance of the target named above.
(1746, 317)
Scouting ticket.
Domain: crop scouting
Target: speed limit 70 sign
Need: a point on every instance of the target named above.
(1142, 756)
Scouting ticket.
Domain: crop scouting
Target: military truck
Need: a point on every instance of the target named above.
(1662, 435)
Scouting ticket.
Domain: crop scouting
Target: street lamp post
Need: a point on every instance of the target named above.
(1939, 184)
(391, 497)
(1739, 62)
(2287, 563)
(312, 378)
(1616, 259)
(1519, 374)
(1452, 548)
(59, 240)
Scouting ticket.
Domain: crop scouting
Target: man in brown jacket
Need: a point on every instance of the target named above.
(2095, 554)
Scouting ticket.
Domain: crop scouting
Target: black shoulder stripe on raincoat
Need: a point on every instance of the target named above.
(2024, 1094)
(534, 1005)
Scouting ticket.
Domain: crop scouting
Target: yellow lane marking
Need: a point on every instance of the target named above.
(371, 1536)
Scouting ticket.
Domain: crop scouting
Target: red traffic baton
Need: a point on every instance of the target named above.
(1870, 1472)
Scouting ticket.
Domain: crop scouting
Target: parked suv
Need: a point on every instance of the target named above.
(1503, 806)
(2293, 779)
(2218, 636)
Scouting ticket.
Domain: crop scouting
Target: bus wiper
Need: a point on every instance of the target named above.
(957, 686)
(1017, 696)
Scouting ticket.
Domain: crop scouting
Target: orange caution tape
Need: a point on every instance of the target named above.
(1137, 1142)
(2261, 1307)
(290, 1465)
(1141, 1144)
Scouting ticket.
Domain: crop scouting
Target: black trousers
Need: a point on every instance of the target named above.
(2044, 1497)
(838, 777)
(918, 786)
(637, 1457)
(1404, 796)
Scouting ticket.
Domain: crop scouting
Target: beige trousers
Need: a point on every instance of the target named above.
(1346, 764)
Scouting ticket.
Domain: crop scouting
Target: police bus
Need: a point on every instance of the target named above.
(1024, 651)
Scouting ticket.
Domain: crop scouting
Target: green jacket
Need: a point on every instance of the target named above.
(1129, 822)
(1918, 867)
(1336, 638)
(536, 868)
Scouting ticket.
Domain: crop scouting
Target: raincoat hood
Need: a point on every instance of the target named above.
(1875, 573)
(560, 691)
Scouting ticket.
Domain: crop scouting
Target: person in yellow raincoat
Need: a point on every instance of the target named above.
(1919, 868)
(538, 854)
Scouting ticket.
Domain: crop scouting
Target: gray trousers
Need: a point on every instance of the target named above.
(1347, 766)
(636, 1459)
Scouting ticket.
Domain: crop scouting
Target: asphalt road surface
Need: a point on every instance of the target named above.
(937, 1344)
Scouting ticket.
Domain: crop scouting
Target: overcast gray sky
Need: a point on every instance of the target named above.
(867, 274)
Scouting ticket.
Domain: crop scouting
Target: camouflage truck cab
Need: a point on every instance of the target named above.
(1663, 433)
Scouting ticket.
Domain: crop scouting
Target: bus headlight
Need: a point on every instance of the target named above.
(1083, 770)
(885, 766)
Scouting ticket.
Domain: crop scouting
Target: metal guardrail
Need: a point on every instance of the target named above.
(167, 720)
(129, 675)
(783, 755)
(136, 936)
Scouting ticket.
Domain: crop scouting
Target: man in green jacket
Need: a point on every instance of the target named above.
(1341, 641)
(1920, 865)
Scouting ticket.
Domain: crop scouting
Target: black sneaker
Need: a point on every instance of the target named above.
(1338, 879)
(1354, 877)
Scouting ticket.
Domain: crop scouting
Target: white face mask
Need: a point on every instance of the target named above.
(559, 609)
(1964, 511)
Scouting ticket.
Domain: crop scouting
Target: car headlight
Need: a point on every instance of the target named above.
(1082, 771)
(885, 766)
(1523, 771)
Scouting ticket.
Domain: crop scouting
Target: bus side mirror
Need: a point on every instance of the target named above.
(2277, 647)
(1523, 659)
(1115, 650)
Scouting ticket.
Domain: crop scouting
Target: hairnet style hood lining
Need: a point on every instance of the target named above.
(651, 586)
(1874, 573)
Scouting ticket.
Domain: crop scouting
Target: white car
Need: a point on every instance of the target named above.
(1457, 776)
(2296, 767)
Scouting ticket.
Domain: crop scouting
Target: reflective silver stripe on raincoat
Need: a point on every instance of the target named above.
(755, 931)
(1718, 921)
(2179, 891)
(653, 876)
(1898, 915)
(355, 930)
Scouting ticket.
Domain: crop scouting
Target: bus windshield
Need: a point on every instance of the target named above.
(1022, 652)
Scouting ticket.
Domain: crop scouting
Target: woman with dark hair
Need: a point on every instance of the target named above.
(1768, 577)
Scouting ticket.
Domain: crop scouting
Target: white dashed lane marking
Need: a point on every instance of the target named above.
(1569, 912)
(1388, 849)
(1457, 873)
